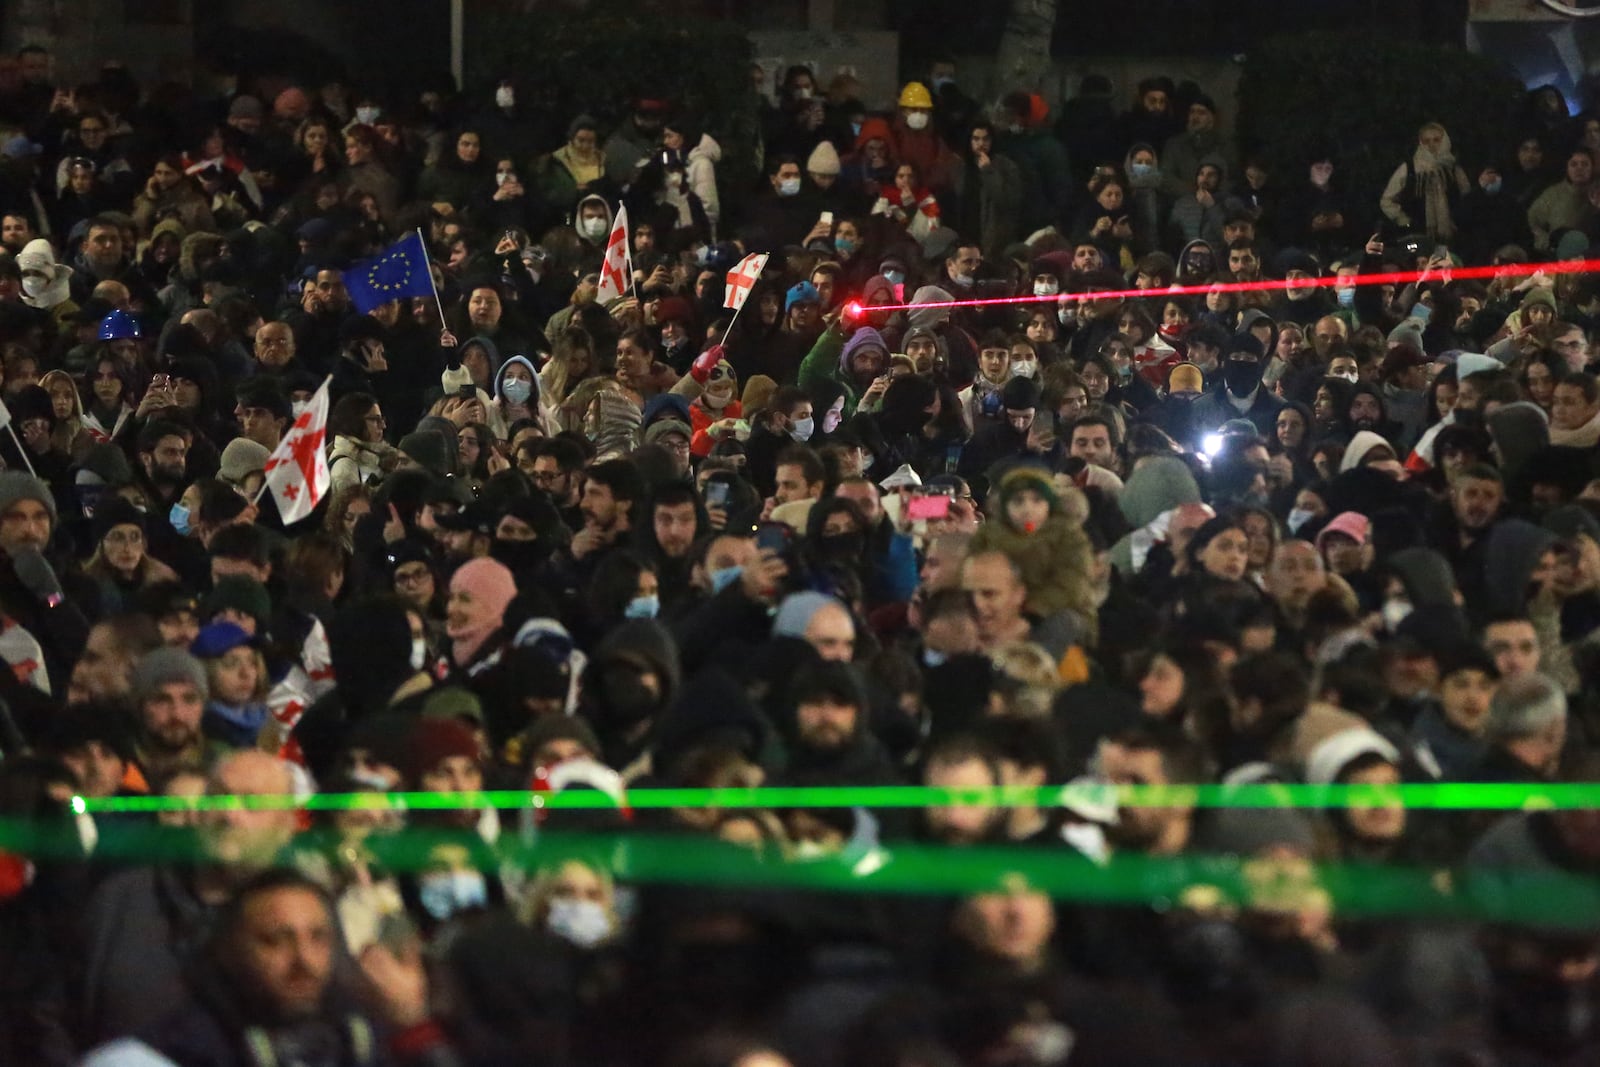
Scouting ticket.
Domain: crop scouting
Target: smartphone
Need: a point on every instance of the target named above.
(773, 537)
(1441, 252)
(717, 494)
(825, 219)
(931, 506)
(468, 392)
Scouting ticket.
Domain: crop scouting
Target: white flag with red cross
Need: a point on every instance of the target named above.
(742, 278)
(616, 273)
(297, 470)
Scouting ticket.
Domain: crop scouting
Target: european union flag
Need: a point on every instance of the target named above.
(401, 272)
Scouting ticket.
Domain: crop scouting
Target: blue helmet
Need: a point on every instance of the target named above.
(119, 326)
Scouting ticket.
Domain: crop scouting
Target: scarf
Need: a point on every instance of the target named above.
(492, 588)
(1431, 175)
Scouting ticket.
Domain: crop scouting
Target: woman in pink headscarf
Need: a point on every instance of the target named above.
(479, 594)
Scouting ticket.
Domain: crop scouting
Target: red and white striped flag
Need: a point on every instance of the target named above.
(617, 272)
(297, 470)
(742, 278)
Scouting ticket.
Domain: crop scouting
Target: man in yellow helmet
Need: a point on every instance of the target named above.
(917, 140)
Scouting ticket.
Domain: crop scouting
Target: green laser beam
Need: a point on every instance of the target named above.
(1562, 902)
(1447, 796)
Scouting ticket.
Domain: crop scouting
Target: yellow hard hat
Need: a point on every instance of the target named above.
(915, 94)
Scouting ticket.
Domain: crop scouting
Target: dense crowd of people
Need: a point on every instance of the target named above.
(1333, 533)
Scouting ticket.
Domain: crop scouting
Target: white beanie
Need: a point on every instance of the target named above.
(1338, 751)
(824, 159)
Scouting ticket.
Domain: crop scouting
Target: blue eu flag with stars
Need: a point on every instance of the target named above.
(399, 274)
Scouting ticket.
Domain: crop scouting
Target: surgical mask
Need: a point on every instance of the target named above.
(1026, 368)
(1493, 188)
(855, 129)
(830, 420)
(419, 653)
(895, 277)
(789, 187)
(516, 390)
(1421, 313)
(802, 92)
(1347, 298)
(500, 177)
(1346, 375)
(1394, 613)
(446, 893)
(504, 97)
(1141, 170)
(366, 115)
(643, 607)
(179, 517)
(963, 280)
(298, 406)
(1068, 314)
(802, 429)
(1298, 517)
(1050, 288)
(721, 579)
(35, 287)
(583, 922)
(594, 227)
(844, 246)
(934, 658)
(917, 120)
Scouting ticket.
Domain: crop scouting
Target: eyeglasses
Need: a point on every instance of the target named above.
(377, 419)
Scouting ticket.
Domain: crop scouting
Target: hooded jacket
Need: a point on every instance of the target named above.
(1056, 560)
(1515, 546)
(644, 645)
(500, 415)
(702, 174)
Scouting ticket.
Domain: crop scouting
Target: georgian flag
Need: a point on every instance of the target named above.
(297, 471)
(617, 271)
(742, 278)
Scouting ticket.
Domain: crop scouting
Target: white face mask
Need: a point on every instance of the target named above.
(802, 428)
(1026, 368)
(366, 115)
(35, 287)
(917, 120)
(419, 653)
(594, 227)
(1068, 315)
(583, 922)
(789, 187)
(505, 97)
(297, 406)
(1298, 517)
(1394, 613)
(1046, 288)
(501, 177)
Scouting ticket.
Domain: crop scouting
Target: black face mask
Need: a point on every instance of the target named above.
(1242, 376)
(624, 698)
(843, 548)
(519, 555)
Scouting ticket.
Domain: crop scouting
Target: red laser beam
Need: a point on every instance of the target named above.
(1397, 277)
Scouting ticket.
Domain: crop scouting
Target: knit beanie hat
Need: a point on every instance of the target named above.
(16, 486)
(108, 463)
(1020, 394)
(434, 740)
(240, 593)
(160, 666)
(549, 728)
(661, 429)
(795, 613)
(242, 456)
(1537, 297)
(824, 159)
(427, 447)
(112, 512)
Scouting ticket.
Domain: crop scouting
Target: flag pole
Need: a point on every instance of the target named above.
(431, 284)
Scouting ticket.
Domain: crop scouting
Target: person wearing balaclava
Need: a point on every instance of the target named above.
(479, 593)
(1243, 396)
(633, 677)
